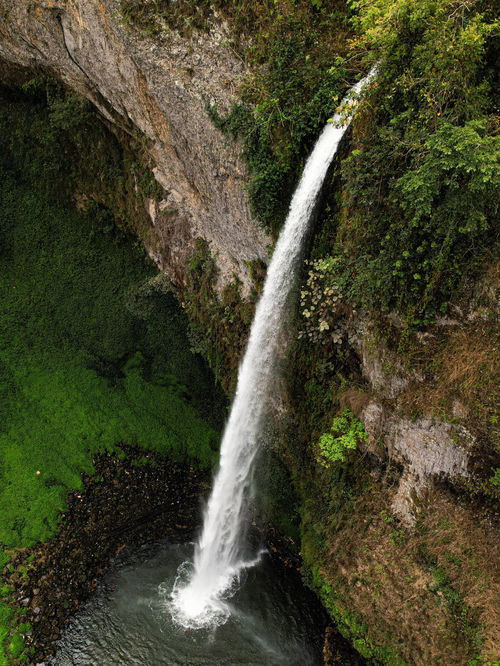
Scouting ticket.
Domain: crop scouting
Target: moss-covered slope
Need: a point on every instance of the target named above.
(94, 351)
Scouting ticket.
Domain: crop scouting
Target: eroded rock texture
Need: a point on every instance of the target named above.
(427, 448)
(162, 91)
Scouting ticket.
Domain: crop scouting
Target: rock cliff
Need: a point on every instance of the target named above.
(160, 91)
(400, 556)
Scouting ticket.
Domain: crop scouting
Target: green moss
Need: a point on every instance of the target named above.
(55, 143)
(53, 140)
(80, 370)
(218, 324)
(462, 619)
(94, 349)
(6, 614)
(351, 626)
(277, 498)
(16, 646)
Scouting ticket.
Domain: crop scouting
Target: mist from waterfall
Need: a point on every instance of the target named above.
(201, 591)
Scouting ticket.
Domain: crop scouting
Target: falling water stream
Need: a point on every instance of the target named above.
(161, 607)
(198, 598)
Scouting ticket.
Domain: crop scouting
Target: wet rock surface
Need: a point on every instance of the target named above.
(333, 656)
(283, 550)
(123, 504)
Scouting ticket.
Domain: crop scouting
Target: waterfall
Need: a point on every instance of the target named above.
(199, 593)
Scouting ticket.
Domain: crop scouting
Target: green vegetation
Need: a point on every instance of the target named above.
(5, 618)
(16, 646)
(55, 143)
(495, 479)
(420, 189)
(218, 324)
(464, 623)
(352, 626)
(408, 224)
(277, 501)
(298, 75)
(320, 299)
(419, 246)
(375, 576)
(81, 372)
(94, 349)
(346, 432)
(45, 130)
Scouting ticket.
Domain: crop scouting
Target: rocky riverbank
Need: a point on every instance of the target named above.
(128, 501)
(125, 502)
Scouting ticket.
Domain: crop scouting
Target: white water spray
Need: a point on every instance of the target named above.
(218, 560)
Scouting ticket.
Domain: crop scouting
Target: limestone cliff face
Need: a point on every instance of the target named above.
(161, 91)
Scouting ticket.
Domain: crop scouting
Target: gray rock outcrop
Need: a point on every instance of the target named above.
(160, 90)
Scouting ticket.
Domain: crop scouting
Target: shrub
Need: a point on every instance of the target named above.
(346, 432)
(417, 215)
(320, 299)
(495, 479)
(433, 222)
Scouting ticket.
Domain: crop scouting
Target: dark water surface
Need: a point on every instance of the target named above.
(274, 621)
